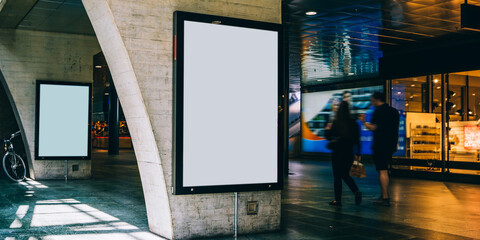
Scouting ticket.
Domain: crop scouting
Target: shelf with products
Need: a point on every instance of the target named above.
(425, 142)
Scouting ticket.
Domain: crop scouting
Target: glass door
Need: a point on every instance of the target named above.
(463, 130)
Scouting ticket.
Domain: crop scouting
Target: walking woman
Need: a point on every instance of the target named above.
(344, 137)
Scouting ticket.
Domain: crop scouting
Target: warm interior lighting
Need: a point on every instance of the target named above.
(311, 13)
(435, 80)
(438, 87)
(413, 85)
(473, 94)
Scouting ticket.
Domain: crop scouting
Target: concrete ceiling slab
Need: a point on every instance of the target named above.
(66, 16)
(14, 11)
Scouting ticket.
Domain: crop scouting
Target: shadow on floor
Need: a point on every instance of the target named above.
(111, 206)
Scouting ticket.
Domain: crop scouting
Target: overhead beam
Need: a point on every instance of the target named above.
(13, 11)
(2, 3)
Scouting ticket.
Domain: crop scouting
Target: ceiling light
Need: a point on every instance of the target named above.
(438, 87)
(435, 80)
(319, 80)
(470, 112)
(98, 66)
(473, 94)
(399, 93)
(413, 85)
(350, 74)
(311, 13)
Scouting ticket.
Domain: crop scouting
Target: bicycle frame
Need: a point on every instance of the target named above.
(9, 146)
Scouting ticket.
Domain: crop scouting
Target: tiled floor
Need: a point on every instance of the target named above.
(110, 206)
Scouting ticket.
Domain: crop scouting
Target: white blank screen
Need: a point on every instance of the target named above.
(230, 105)
(63, 121)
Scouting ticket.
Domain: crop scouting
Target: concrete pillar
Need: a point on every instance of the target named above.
(136, 38)
(113, 119)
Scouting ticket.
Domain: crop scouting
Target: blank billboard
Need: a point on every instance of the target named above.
(227, 101)
(63, 120)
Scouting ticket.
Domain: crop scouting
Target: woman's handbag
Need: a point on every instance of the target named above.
(358, 170)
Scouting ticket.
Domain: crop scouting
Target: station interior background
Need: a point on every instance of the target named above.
(411, 50)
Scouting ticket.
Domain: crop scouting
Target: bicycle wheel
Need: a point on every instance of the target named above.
(14, 167)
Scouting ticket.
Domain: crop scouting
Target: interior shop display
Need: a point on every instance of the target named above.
(100, 135)
(450, 152)
(464, 141)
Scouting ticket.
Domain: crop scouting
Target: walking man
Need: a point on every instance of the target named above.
(384, 125)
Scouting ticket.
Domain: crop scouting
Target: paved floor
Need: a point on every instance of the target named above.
(110, 206)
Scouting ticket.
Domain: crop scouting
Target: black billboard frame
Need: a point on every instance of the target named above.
(37, 118)
(177, 149)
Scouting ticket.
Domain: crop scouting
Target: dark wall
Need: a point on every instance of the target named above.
(449, 53)
(8, 125)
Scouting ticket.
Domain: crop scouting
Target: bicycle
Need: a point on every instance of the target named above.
(13, 164)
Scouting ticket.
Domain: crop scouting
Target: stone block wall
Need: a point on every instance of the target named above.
(27, 56)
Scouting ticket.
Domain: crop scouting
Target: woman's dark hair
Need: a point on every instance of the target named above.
(343, 111)
(379, 96)
(343, 119)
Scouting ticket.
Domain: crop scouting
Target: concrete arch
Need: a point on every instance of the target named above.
(20, 125)
(130, 96)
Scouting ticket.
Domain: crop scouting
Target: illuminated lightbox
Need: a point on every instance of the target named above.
(63, 121)
(228, 132)
(472, 137)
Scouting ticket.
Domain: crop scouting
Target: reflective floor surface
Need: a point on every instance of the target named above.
(111, 206)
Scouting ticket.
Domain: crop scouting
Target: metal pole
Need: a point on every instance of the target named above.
(66, 171)
(443, 127)
(447, 130)
(235, 235)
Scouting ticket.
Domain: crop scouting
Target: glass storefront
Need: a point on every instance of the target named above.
(440, 129)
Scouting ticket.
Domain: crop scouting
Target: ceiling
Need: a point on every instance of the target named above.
(66, 16)
(345, 39)
(475, 73)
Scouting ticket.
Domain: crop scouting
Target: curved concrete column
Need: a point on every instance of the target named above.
(126, 84)
(136, 37)
(31, 167)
